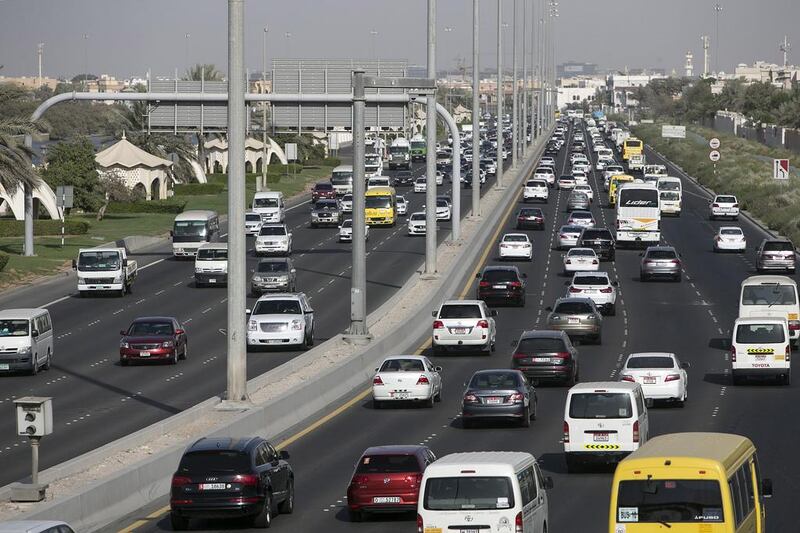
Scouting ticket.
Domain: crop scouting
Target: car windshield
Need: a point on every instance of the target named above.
(541, 345)
(98, 261)
(378, 202)
(600, 405)
(265, 202)
(573, 308)
(325, 205)
(468, 493)
(341, 178)
(347, 197)
(769, 294)
(494, 380)
(214, 461)
(442, 203)
(14, 328)
(499, 275)
(273, 266)
(661, 254)
(402, 365)
(666, 501)
(590, 280)
(252, 217)
(418, 216)
(146, 329)
(347, 223)
(582, 252)
(387, 464)
(460, 311)
(277, 307)
(651, 361)
(322, 187)
(778, 246)
(272, 230)
(759, 334)
(515, 238)
(212, 254)
(669, 185)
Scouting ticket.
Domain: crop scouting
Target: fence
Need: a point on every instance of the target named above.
(768, 134)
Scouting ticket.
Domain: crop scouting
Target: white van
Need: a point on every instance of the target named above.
(342, 179)
(490, 492)
(26, 340)
(773, 296)
(760, 348)
(211, 264)
(269, 204)
(603, 421)
(193, 228)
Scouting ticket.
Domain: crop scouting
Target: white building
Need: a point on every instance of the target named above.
(139, 170)
(622, 85)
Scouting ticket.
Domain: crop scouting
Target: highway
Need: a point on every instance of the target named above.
(692, 318)
(97, 401)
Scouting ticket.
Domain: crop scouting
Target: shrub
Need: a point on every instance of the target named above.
(191, 189)
(16, 228)
(3, 261)
(154, 206)
(326, 162)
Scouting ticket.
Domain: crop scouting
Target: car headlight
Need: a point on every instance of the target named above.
(123, 344)
(252, 326)
(297, 324)
(167, 344)
(81, 281)
(24, 349)
(257, 278)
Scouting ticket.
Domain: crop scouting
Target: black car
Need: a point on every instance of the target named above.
(325, 213)
(600, 240)
(225, 477)
(403, 178)
(498, 394)
(502, 284)
(530, 217)
(545, 355)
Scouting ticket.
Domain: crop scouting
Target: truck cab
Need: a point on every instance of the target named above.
(104, 270)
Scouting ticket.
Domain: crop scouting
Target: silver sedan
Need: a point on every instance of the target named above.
(568, 236)
(660, 261)
(577, 317)
(578, 201)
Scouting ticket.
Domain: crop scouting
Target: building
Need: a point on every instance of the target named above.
(573, 68)
(622, 85)
(761, 71)
(578, 89)
(139, 170)
(31, 82)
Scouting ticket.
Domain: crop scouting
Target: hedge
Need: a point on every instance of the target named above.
(189, 189)
(142, 206)
(327, 162)
(16, 228)
(3, 261)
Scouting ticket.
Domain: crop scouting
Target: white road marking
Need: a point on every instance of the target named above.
(148, 265)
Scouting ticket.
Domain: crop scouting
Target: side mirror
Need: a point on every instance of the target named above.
(376, 369)
(766, 487)
(615, 283)
(290, 234)
(477, 276)
(548, 308)
(283, 454)
(434, 313)
(74, 265)
(685, 365)
(248, 311)
(437, 369)
(493, 312)
(123, 332)
(548, 482)
(309, 311)
(180, 331)
(35, 333)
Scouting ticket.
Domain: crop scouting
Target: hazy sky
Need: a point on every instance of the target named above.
(126, 37)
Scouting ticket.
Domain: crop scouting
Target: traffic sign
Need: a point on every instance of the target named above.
(291, 151)
(714, 143)
(673, 132)
(780, 169)
(714, 155)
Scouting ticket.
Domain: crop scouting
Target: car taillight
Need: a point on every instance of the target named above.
(377, 380)
(180, 481)
(735, 205)
(566, 431)
(519, 355)
(575, 289)
(794, 325)
(359, 480)
(594, 261)
(420, 524)
(563, 236)
(606, 290)
(246, 479)
(438, 324)
(470, 398)
(516, 397)
(714, 205)
(484, 284)
(515, 284)
(636, 431)
(423, 380)
(676, 261)
(518, 523)
(733, 354)
(483, 324)
(672, 377)
(626, 377)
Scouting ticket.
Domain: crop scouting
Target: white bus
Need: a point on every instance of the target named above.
(192, 229)
(342, 179)
(638, 214)
(671, 194)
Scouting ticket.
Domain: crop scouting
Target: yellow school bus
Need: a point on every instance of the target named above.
(690, 482)
(631, 146)
(380, 206)
(613, 185)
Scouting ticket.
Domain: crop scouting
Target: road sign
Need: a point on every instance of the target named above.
(291, 151)
(673, 132)
(714, 143)
(64, 196)
(780, 169)
(714, 155)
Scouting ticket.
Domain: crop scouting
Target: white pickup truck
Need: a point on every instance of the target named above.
(104, 269)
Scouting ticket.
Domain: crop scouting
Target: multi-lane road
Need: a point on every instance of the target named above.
(692, 318)
(97, 401)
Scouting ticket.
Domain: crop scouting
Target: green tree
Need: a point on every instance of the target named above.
(15, 158)
(72, 163)
(698, 102)
(206, 71)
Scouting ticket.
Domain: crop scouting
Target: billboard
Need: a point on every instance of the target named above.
(187, 117)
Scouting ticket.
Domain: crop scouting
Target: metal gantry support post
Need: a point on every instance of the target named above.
(514, 90)
(431, 241)
(524, 147)
(27, 249)
(476, 113)
(500, 96)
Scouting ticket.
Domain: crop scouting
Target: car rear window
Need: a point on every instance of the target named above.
(731, 231)
(214, 461)
(759, 334)
(582, 214)
(665, 501)
(468, 493)
(726, 199)
(499, 275)
(515, 238)
(494, 380)
(541, 345)
(324, 186)
(661, 254)
(531, 212)
(573, 308)
(583, 252)
(778, 246)
(590, 280)
(773, 294)
(387, 464)
(460, 311)
(651, 362)
(578, 195)
(272, 230)
(402, 365)
(600, 405)
(596, 234)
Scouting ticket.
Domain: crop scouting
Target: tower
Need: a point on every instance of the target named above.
(706, 45)
(688, 66)
(784, 47)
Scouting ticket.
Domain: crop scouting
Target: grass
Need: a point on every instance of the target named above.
(52, 258)
(745, 169)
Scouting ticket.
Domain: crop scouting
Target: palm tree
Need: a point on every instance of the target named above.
(15, 158)
(201, 71)
(162, 145)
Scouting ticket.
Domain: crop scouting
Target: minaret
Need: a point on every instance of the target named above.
(688, 66)
(706, 45)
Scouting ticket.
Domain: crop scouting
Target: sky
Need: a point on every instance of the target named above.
(126, 38)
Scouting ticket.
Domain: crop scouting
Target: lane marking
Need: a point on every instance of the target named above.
(148, 265)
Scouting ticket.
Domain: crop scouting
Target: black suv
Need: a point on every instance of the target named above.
(403, 178)
(502, 283)
(231, 478)
(600, 240)
(546, 354)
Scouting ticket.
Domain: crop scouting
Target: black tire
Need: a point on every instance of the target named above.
(787, 378)
(287, 505)
(178, 523)
(46, 365)
(678, 278)
(526, 419)
(121, 292)
(612, 311)
(185, 352)
(642, 276)
(599, 340)
(263, 519)
(123, 362)
(737, 380)
(428, 404)
(438, 397)
(355, 515)
(173, 360)
(573, 464)
(467, 424)
(376, 404)
(34, 365)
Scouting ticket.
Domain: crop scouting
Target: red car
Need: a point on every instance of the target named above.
(387, 479)
(323, 189)
(153, 338)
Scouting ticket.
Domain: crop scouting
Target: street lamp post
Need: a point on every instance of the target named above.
(186, 37)
(524, 111)
(717, 11)
(430, 158)
(500, 95)
(476, 111)
(373, 33)
(448, 96)
(85, 60)
(514, 91)
(262, 184)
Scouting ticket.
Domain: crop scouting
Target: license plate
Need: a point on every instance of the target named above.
(212, 486)
(493, 400)
(601, 437)
(498, 286)
(541, 359)
(386, 499)
(144, 354)
(649, 380)
(212, 280)
(274, 341)
(469, 531)
(4, 367)
(459, 331)
(574, 321)
(400, 395)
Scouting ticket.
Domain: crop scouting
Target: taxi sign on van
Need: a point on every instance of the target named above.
(760, 350)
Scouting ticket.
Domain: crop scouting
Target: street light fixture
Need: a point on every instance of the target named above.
(373, 33)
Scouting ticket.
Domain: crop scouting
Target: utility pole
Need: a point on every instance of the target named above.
(706, 46)
(40, 49)
(85, 60)
(784, 47)
(373, 33)
(430, 159)
(261, 185)
(514, 91)
(186, 37)
(524, 111)
(500, 96)
(476, 111)
(717, 11)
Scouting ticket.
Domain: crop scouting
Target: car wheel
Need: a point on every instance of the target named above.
(34, 365)
(46, 365)
(787, 378)
(599, 339)
(263, 519)
(467, 424)
(376, 404)
(612, 311)
(173, 359)
(677, 278)
(178, 523)
(123, 362)
(438, 397)
(573, 464)
(185, 352)
(287, 505)
(526, 419)
(737, 379)
(429, 402)
(642, 276)
(356, 515)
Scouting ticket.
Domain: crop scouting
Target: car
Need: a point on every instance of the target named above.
(346, 231)
(443, 209)
(730, 238)
(535, 189)
(775, 254)
(580, 177)
(584, 219)
(439, 178)
(568, 236)
(322, 189)
(600, 240)
(35, 526)
(660, 261)
(235, 478)
(546, 355)
(273, 274)
(515, 245)
(661, 375)
(566, 182)
(464, 324)
(598, 287)
(252, 223)
(387, 479)
(403, 178)
(578, 317)
(153, 338)
(546, 174)
(498, 394)
(325, 212)
(498, 283)
(401, 205)
(581, 260)
(578, 201)
(283, 319)
(416, 223)
(346, 203)
(547, 161)
(585, 188)
(273, 239)
(724, 206)
(530, 217)
(421, 184)
(406, 378)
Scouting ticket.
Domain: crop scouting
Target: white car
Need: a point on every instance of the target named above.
(273, 239)
(724, 206)
(416, 223)
(346, 231)
(406, 378)
(730, 238)
(546, 174)
(661, 375)
(421, 184)
(35, 526)
(581, 165)
(547, 160)
(439, 177)
(401, 205)
(566, 182)
(443, 209)
(603, 162)
(581, 218)
(516, 245)
(597, 287)
(464, 324)
(252, 223)
(568, 236)
(581, 260)
(580, 178)
(346, 203)
(585, 188)
(281, 320)
(536, 189)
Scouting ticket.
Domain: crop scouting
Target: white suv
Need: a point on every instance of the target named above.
(464, 324)
(724, 205)
(597, 287)
(546, 174)
(274, 239)
(281, 320)
(535, 189)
